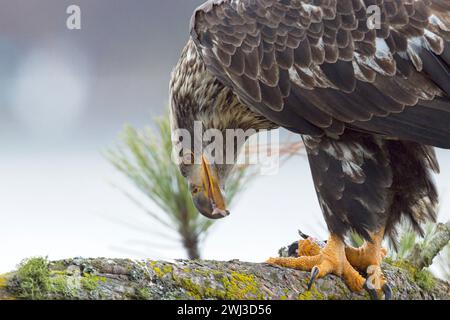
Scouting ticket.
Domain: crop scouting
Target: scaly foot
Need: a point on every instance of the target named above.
(368, 258)
(330, 259)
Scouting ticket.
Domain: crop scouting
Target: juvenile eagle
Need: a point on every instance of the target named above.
(366, 83)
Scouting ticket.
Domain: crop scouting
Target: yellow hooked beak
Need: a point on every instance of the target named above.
(210, 201)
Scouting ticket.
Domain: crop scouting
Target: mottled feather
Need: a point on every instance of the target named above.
(329, 45)
(370, 103)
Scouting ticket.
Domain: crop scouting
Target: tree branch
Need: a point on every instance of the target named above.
(127, 279)
(422, 256)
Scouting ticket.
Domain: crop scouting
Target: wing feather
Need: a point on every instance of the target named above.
(308, 64)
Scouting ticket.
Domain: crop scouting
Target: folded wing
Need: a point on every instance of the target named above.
(323, 66)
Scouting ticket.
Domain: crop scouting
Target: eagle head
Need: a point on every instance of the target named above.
(203, 112)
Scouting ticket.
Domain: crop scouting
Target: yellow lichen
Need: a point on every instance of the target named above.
(235, 286)
(160, 272)
(167, 269)
(3, 281)
(4, 294)
(307, 295)
(312, 294)
(240, 286)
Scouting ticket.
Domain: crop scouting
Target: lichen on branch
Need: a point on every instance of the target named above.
(78, 278)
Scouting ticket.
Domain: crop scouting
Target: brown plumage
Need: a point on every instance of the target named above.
(369, 103)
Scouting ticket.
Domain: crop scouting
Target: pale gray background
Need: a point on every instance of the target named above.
(65, 95)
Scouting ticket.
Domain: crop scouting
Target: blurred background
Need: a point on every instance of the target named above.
(65, 95)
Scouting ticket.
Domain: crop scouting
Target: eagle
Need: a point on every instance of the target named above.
(365, 83)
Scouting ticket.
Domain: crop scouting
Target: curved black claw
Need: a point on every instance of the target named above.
(312, 279)
(303, 235)
(368, 286)
(387, 291)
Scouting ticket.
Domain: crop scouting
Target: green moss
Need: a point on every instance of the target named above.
(61, 286)
(143, 294)
(58, 266)
(33, 276)
(405, 265)
(423, 278)
(36, 279)
(91, 282)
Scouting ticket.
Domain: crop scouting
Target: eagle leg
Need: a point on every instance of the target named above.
(330, 260)
(369, 254)
(368, 258)
(308, 247)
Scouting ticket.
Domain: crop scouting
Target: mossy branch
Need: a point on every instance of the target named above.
(422, 255)
(128, 279)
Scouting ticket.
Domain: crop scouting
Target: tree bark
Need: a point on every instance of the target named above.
(422, 256)
(128, 279)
